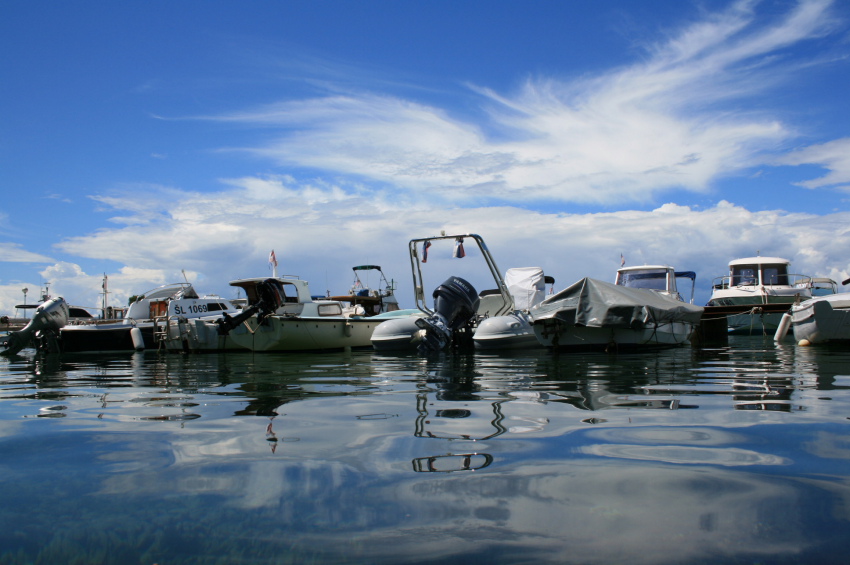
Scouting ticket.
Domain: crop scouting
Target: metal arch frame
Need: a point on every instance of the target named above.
(418, 283)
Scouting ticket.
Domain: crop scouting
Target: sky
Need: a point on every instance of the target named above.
(155, 142)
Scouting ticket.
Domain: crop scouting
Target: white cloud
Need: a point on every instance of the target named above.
(13, 253)
(229, 234)
(669, 122)
(834, 156)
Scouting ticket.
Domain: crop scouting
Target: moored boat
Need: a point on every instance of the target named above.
(457, 308)
(144, 321)
(820, 319)
(281, 316)
(753, 282)
(642, 310)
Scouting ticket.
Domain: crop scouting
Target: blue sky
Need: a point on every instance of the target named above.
(143, 140)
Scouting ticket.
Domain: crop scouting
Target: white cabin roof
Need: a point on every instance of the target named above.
(646, 268)
(759, 261)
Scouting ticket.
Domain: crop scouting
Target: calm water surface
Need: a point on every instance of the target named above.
(732, 455)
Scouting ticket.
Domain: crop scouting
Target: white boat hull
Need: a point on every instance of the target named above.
(198, 335)
(277, 333)
(822, 320)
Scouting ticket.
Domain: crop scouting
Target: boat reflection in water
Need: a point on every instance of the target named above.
(672, 456)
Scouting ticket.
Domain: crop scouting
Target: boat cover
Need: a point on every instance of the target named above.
(526, 285)
(596, 304)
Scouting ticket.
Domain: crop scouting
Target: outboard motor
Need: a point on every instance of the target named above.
(455, 303)
(270, 297)
(49, 317)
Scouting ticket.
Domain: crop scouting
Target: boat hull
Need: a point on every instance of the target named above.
(822, 320)
(513, 331)
(582, 338)
(595, 315)
(94, 339)
(399, 334)
(754, 322)
(277, 333)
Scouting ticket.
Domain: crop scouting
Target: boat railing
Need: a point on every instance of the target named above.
(732, 281)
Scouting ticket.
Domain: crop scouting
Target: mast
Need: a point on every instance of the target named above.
(105, 303)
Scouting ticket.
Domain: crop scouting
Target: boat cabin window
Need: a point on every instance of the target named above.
(158, 309)
(276, 292)
(330, 310)
(774, 274)
(746, 275)
(653, 280)
(289, 293)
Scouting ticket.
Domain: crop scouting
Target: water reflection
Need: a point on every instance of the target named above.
(673, 456)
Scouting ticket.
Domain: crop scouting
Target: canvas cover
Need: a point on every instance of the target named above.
(596, 304)
(526, 285)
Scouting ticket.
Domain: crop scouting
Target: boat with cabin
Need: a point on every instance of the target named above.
(281, 315)
(759, 290)
(641, 310)
(143, 320)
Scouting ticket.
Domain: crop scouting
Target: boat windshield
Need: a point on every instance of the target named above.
(747, 275)
(653, 280)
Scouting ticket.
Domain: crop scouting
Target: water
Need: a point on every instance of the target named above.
(732, 455)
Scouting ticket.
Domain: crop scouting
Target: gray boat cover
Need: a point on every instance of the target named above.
(596, 304)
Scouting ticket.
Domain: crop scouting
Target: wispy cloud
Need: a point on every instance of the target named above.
(13, 253)
(669, 121)
(834, 156)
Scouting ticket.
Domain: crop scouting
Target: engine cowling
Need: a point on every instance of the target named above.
(455, 303)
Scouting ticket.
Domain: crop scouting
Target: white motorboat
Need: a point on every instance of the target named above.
(145, 321)
(366, 301)
(457, 309)
(753, 282)
(822, 319)
(281, 316)
(662, 279)
(513, 330)
(642, 310)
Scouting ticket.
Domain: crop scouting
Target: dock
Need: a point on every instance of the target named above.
(713, 331)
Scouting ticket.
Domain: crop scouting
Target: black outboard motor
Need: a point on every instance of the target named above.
(270, 297)
(455, 303)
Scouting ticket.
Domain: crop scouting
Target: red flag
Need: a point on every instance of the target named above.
(425, 247)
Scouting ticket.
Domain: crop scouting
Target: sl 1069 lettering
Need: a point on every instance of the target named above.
(191, 309)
